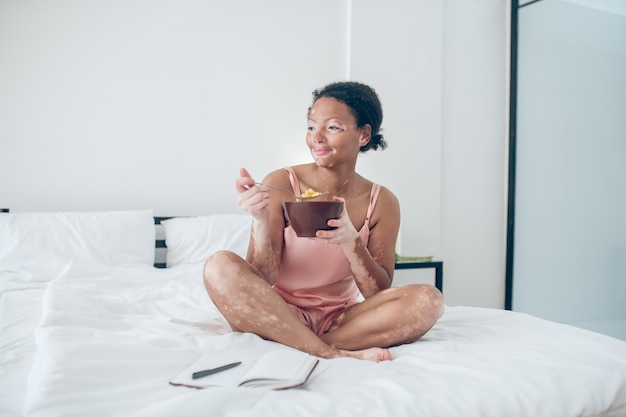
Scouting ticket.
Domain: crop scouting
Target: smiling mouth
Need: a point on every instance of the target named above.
(322, 152)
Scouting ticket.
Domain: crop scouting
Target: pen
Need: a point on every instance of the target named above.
(207, 372)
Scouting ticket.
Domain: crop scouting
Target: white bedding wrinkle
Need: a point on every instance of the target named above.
(20, 313)
(110, 339)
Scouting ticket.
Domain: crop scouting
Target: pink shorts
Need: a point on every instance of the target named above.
(319, 319)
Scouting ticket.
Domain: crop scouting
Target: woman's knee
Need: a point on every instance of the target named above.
(218, 270)
(429, 302)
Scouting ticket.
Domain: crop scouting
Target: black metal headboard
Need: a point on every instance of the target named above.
(160, 249)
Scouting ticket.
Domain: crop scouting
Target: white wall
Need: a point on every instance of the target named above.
(132, 104)
(401, 55)
(474, 148)
(141, 104)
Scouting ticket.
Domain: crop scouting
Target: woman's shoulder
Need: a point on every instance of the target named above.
(303, 169)
(384, 193)
(280, 177)
(282, 173)
(387, 199)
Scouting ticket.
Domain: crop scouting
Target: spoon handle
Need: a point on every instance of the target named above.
(297, 197)
(278, 188)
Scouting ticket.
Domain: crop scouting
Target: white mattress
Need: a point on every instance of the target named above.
(110, 339)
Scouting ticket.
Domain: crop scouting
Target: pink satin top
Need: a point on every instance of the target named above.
(314, 275)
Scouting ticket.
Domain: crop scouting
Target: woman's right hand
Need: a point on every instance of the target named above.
(252, 198)
(255, 199)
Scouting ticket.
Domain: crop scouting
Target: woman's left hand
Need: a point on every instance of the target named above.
(345, 234)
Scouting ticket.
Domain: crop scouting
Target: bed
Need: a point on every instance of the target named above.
(90, 327)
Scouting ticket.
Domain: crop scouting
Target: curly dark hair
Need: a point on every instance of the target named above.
(364, 105)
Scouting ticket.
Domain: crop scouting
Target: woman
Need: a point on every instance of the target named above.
(338, 301)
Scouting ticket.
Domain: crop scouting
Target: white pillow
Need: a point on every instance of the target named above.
(191, 240)
(38, 246)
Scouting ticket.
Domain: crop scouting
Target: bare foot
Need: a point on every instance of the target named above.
(371, 354)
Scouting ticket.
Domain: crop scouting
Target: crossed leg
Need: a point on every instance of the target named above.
(394, 316)
(251, 305)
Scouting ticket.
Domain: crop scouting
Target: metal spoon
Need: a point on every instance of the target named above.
(299, 197)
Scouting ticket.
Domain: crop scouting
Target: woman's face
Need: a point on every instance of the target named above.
(332, 134)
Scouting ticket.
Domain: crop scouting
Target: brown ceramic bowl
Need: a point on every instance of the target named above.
(307, 217)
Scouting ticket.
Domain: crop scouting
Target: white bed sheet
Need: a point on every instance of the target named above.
(111, 338)
(20, 314)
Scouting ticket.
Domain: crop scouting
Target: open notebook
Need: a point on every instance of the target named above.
(276, 369)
